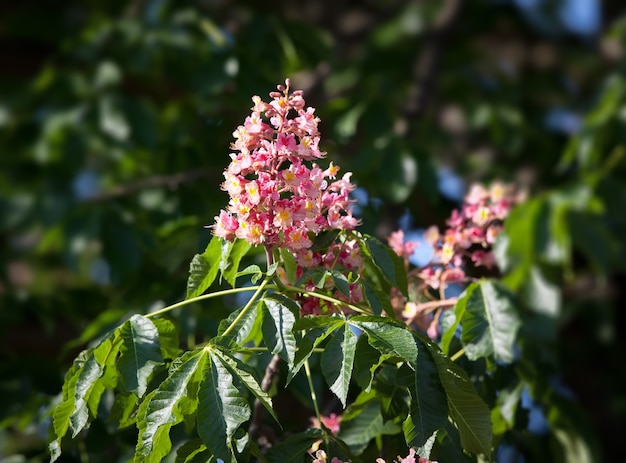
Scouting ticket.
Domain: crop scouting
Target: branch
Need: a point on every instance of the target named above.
(172, 181)
(266, 436)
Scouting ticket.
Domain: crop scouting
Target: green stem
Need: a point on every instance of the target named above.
(201, 298)
(325, 297)
(252, 300)
(309, 379)
(458, 354)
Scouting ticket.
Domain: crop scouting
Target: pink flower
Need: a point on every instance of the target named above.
(225, 225)
(410, 458)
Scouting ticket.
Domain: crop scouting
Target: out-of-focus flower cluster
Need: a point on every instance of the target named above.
(466, 244)
(471, 233)
(278, 196)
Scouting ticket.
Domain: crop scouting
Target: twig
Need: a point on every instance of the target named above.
(265, 434)
(429, 62)
(172, 181)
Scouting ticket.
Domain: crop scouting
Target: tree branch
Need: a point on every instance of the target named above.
(265, 434)
(172, 181)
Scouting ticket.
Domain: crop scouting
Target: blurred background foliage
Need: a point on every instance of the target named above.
(115, 124)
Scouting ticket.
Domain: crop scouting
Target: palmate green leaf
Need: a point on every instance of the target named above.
(295, 448)
(222, 408)
(429, 407)
(489, 321)
(279, 316)
(161, 408)
(389, 263)
(338, 360)
(140, 353)
(468, 411)
(388, 337)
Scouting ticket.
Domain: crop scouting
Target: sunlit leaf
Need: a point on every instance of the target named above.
(222, 409)
(161, 408)
(243, 324)
(140, 353)
(204, 267)
(230, 263)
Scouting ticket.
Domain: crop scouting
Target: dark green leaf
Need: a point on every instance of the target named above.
(388, 337)
(324, 240)
(429, 408)
(468, 411)
(310, 341)
(389, 263)
(365, 426)
(489, 321)
(193, 451)
(244, 373)
(338, 360)
(294, 449)
(378, 300)
(168, 337)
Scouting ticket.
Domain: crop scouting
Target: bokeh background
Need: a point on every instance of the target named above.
(115, 124)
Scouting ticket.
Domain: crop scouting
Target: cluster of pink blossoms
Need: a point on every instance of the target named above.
(278, 197)
(321, 457)
(333, 423)
(466, 243)
(470, 234)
